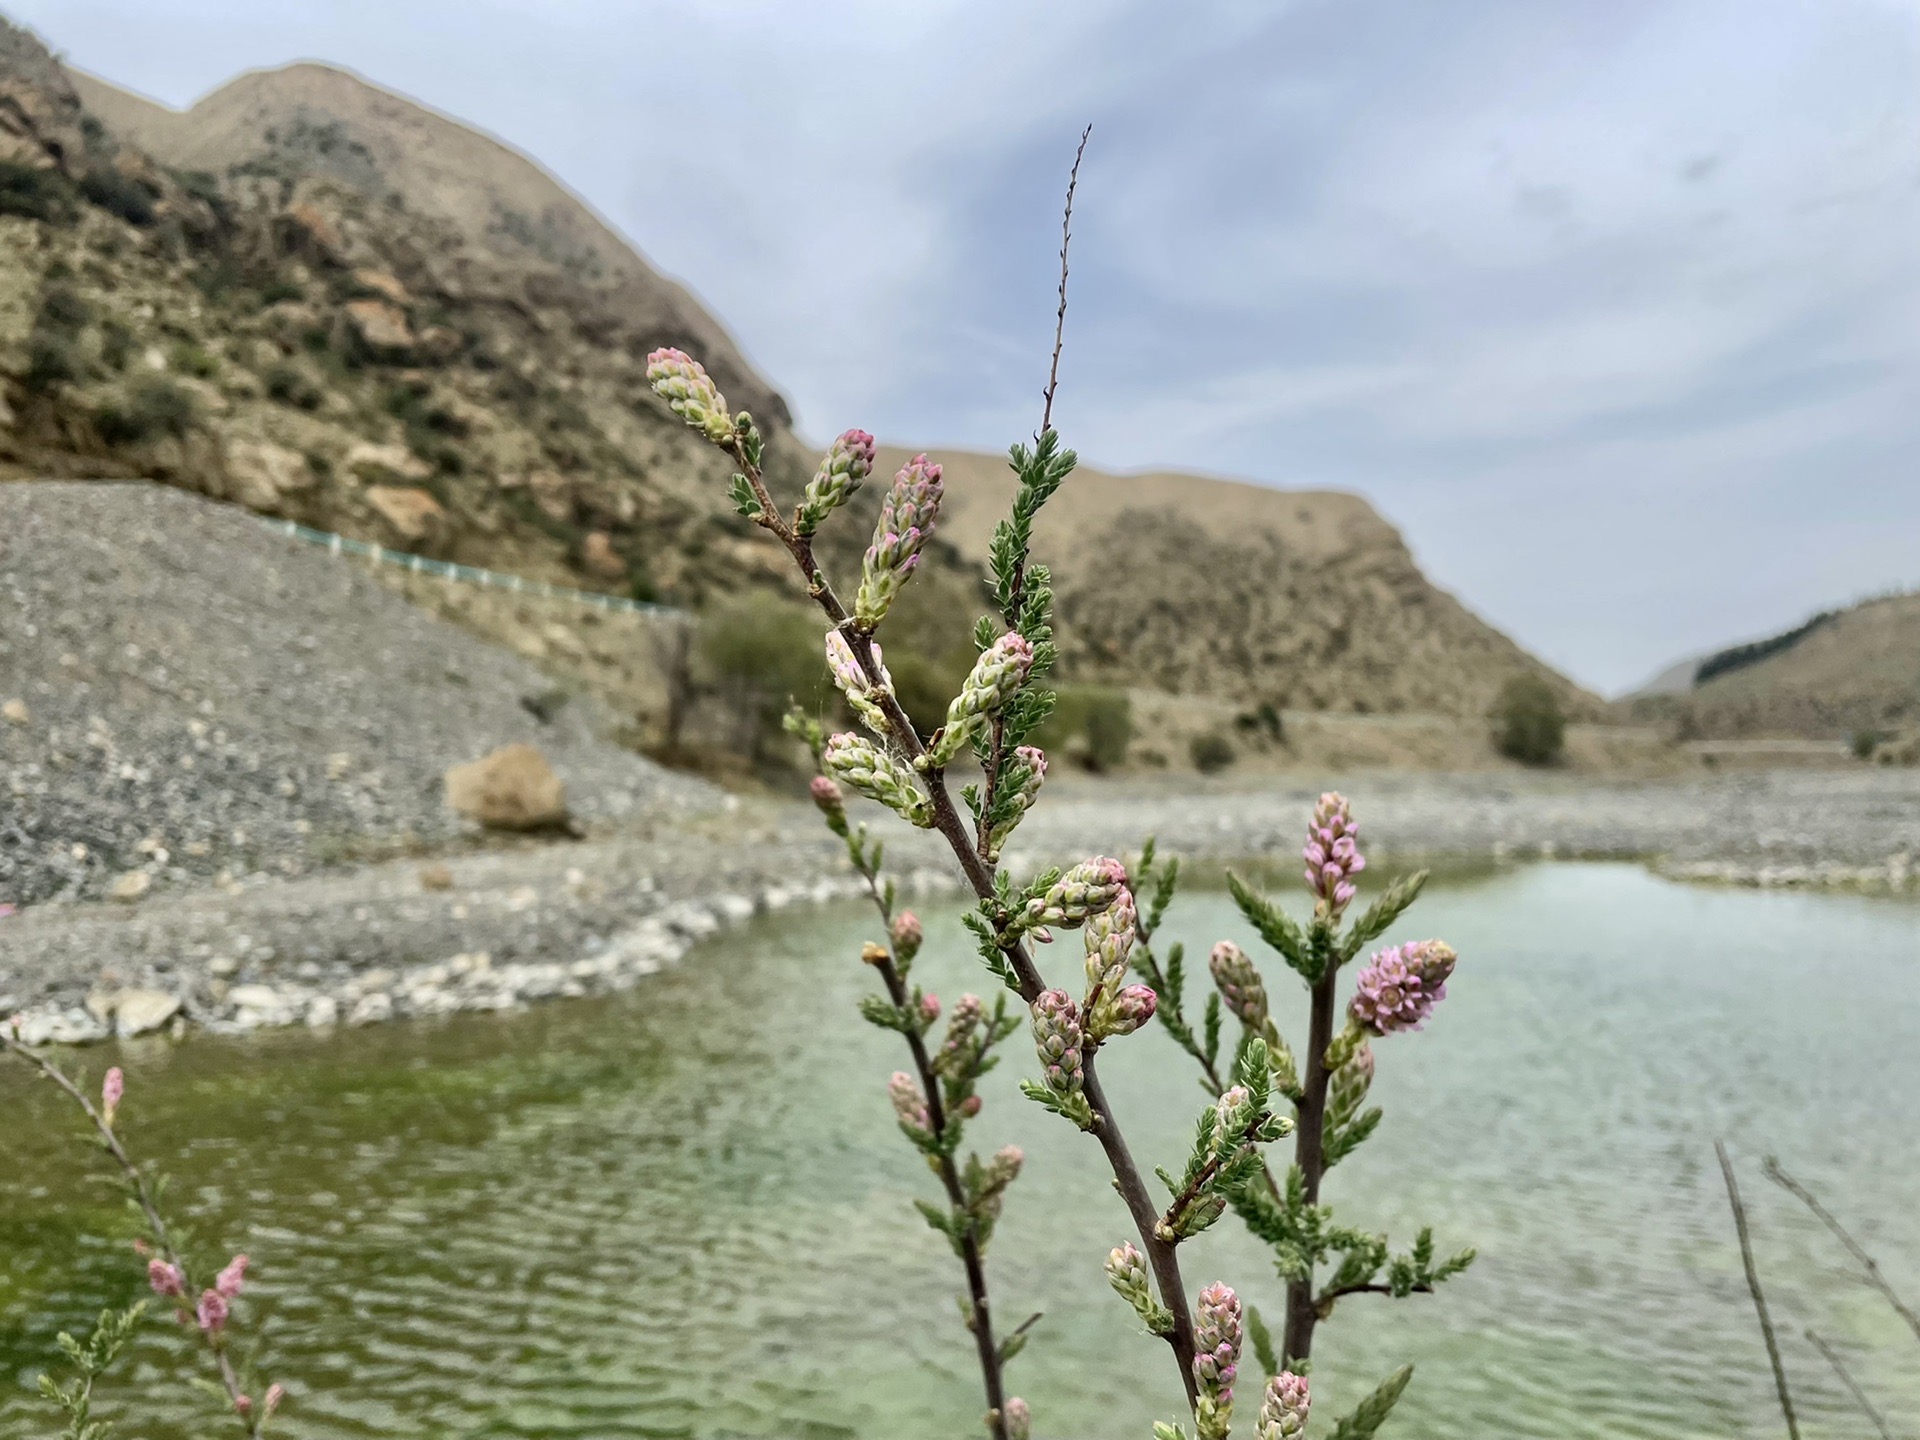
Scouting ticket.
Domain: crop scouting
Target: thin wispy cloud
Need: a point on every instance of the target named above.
(1612, 305)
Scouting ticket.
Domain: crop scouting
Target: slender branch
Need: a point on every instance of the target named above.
(1773, 1170)
(1192, 1191)
(1327, 1297)
(1060, 316)
(143, 1196)
(952, 828)
(981, 1323)
(1309, 1154)
(1853, 1388)
(1759, 1295)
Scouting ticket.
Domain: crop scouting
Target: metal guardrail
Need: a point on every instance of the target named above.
(463, 574)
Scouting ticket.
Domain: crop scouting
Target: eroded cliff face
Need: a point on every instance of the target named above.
(296, 334)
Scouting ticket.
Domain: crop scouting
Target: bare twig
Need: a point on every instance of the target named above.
(1759, 1295)
(1774, 1171)
(1060, 316)
(143, 1196)
(1846, 1379)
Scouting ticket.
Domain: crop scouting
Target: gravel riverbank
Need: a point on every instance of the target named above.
(496, 929)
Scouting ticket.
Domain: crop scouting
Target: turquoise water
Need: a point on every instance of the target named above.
(685, 1211)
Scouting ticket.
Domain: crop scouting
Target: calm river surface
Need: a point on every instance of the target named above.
(684, 1211)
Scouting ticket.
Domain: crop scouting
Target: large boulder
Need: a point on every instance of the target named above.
(381, 327)
(261, 474)
(512, 789)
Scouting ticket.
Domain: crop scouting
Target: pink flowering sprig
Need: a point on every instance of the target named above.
(167, 1272)
(1393, 993)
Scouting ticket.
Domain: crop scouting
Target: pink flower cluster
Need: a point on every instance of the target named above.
(1399, 987)
(1332, 853)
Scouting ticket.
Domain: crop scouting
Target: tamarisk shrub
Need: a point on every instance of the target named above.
(209, 1313)
(991, 722)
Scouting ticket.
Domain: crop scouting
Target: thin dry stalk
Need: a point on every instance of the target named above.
(1846, 1379)
(1759, 1295)
(1775, 1172)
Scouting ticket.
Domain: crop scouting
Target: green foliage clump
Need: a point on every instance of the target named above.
(1091, 721)
(118, 194)
(1211, 752)
(291, 385)
(54, 354)
(153, 406)
(1531, 727)
(197, 360)
(1263, 720)
(1864, 742)
(763, 652)
(34, 194)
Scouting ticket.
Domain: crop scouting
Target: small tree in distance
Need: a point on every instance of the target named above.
(1530, 725)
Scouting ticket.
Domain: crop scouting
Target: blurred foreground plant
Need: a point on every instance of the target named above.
(990, 724)
(169, 1275)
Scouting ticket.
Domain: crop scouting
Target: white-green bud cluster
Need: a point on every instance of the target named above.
(690, 393)
(848, 462)
(1085, 890)
(878, 776)
(1001, 670)
(1347, 1089)
(862, 693)
(1127, 1273)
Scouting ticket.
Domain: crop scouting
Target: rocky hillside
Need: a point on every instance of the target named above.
(322, 301)
(1301, 598)
(322, 328)
(1835, 676)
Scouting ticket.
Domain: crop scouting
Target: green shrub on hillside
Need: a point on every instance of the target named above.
(154, 405)
(763, 653)
(1529, 724)
(1211, 752)
(1090, 722)
(34, 194)
(118, 194)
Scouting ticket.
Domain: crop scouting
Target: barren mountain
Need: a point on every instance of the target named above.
(1836, 675)
(1301, 598)
(320, 300)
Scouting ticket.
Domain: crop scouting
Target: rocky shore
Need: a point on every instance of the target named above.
(494, 930)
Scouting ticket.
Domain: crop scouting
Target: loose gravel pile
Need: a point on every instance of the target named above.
(187, 694)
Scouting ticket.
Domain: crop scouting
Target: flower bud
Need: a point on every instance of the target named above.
(909, 1106)
(112, 1087)
(848, 461)
(230, 1280)
(1127, 1273)
(929, 1011)
(999, 1172)
(212, 1311)
(1216, 1359)
(1019, 1419)
(959, 1049)
(1241, 989)
(166, 1278)
(907, 518)
(1124, 1012)
(1283, 1409)
(1085, 890)
(879, 777)
(1332, 855)
(970, 1107)
(690, 393)
(1001, 670)
(907, 937)
(1109, 936)
(242, 1406)
(874, 955)
(1399, 987)
(831, 801)
(1059, 1040)
(276, 1392)
(863, 694)
(1019, 787)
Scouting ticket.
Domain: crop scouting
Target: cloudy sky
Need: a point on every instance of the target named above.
(1612, 305)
